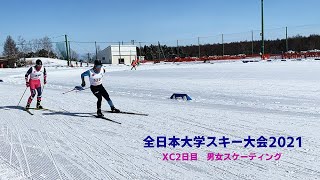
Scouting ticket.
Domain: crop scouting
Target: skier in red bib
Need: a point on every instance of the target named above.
(34, 82)
(134, 64)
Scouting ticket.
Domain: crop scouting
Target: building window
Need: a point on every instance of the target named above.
(103, 58)
(121, 61)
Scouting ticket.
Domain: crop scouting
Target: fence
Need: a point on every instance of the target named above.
(278, 41)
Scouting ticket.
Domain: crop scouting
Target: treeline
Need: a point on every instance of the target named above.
(297, 43)
(25, 49)
(42, 47)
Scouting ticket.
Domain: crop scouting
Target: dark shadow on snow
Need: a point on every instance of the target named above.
(11, 107)
(64, 113)
(48, 112)
(78, 115)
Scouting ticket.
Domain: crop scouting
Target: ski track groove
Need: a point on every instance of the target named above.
(110, 148)
(23, 151)
(40, 146)
(39, 132)
(10, 141)
(18, 158)
(51, 155)
(37, 143)
(89, 132)
(63, 133)
(79, 139)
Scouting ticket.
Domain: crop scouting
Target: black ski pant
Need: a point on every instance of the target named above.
(99, 91)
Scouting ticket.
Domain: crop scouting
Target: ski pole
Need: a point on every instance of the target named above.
(74, 89)
(68, 91)
(82, 89)
(43, 88)
(22, 95)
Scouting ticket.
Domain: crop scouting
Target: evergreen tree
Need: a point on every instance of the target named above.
(10, 48)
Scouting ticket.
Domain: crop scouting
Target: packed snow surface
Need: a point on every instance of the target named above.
(231, 99)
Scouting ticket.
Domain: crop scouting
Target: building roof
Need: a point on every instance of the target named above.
(122, 45)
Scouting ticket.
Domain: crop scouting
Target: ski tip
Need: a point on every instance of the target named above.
(129, 113)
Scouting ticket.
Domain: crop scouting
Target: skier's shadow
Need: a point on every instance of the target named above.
(64, 113)
(11, 107)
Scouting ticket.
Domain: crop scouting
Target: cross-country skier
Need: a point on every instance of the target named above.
(95, 77)
(134, 64)
(34, 82)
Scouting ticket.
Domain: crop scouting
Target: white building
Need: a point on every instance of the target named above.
(118, 54)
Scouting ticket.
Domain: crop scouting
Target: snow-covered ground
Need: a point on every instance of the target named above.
(230, 99)
(47, 61)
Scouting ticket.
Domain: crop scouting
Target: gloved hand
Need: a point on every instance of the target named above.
(27, 84)
(83, 84)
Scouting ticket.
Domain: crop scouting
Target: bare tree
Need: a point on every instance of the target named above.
(46, 43)
(29, 46)
(74, 55)
(36, 45)
(21, 44)
(24, 46)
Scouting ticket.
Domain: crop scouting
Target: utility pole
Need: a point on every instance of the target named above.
(178, 48)
(252, 42)
(67, 49)
(120, 51)
(140, 50)
(262, 29)
(95, 44)
(199, 47)
(287, 45)
(70, 52)
(222, 45)
(161, 50)
(130, 57)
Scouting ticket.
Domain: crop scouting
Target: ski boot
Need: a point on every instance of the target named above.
(28, 106)
(115, 110)
(38, 105)
(99, 113)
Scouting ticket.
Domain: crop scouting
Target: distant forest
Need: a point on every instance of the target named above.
(297, 43)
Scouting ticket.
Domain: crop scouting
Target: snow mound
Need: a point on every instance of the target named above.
(47, 61)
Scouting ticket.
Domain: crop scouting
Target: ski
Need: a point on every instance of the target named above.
(38, 108)
(131, 113)
(43, 109)
(27, 110)
(102, 117)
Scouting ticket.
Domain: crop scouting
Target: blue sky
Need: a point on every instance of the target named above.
(147, 20)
